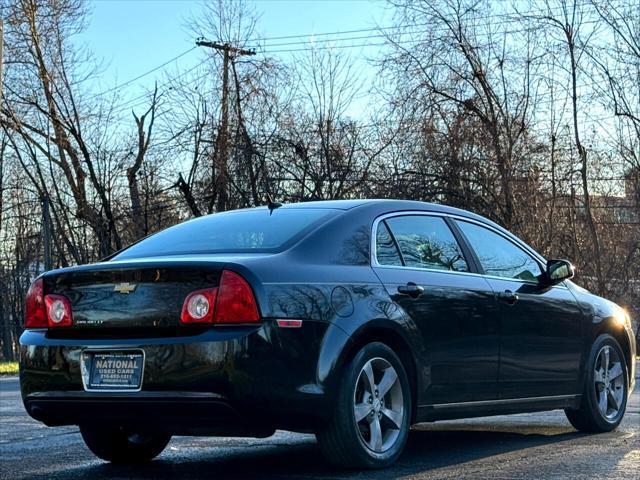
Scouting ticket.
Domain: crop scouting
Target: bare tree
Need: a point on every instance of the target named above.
(144, 140)
(567, 19)
(48, 117)
(461, 64)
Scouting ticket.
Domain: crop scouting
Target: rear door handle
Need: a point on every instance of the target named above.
(411, 289)
(508, 297)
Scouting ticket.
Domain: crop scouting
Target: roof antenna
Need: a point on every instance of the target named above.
(272, 205)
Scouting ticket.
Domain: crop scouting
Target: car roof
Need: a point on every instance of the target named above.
(381, 204)
(391, 205)
(333, 204)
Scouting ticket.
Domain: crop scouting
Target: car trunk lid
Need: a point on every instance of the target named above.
(140, 297)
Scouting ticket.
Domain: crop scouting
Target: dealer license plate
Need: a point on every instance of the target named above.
(115, 371)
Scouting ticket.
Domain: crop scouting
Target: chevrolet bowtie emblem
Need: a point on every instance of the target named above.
(124, 287)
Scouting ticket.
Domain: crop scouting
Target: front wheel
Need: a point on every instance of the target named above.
(372, 413)
(120, 445)
(604, 397)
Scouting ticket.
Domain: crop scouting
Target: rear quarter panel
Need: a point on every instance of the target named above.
(328, 277)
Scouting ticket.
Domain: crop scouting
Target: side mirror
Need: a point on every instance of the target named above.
(559, 270)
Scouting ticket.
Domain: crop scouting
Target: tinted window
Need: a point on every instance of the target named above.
(386, 251)
(498, 256)
(427, 242)
(239, 231)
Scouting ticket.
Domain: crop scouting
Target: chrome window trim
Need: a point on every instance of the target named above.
(523, 246)
(408, 213)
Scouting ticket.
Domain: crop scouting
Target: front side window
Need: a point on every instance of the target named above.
(498, 256)
(427, 242)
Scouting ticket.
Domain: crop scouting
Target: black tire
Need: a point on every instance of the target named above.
(119, 445)
(341, 441)
(589, 418)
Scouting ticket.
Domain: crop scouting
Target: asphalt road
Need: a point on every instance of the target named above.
(530, 446)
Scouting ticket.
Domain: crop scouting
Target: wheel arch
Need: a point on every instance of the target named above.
(384, 332)
(611, 327)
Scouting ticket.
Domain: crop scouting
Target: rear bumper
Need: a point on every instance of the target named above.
(241, 380)
(183, 413)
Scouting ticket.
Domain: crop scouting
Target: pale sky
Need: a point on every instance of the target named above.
(131, 37)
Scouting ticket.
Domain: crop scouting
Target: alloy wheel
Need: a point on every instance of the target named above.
(609, 383)
(378, 405)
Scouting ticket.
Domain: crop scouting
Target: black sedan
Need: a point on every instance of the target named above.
(349, 319)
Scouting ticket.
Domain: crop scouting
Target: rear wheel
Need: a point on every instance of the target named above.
(604, 398)
(120, 445)
(370, 425)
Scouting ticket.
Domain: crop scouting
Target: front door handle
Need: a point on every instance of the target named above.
(508, 297)
(411, 289)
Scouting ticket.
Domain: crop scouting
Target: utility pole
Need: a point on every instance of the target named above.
(46, 232)
(220, 161)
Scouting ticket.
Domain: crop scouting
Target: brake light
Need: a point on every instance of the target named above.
(232, 302)
(58, 311)
(42, 311)
(35, 315)
(236, 303)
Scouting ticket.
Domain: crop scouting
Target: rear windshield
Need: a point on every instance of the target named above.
(255, 230)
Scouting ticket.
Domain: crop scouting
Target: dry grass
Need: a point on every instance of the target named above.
(8, 368)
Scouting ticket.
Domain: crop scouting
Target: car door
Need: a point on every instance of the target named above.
(540, 331)
(426, 272)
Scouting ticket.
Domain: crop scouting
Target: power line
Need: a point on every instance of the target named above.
(307, 42)
(130, 103)
(334, 47)
(377, 29)
(142, 75)
(265, 48)
(313, 41)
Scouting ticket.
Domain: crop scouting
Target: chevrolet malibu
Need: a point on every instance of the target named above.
(349, 319)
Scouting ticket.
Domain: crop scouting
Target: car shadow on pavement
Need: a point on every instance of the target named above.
(429, 448)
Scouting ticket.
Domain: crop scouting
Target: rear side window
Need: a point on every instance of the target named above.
(498, 256)
(386, 251)
(256, 230)
(427, 242)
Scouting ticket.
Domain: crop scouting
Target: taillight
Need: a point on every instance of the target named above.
(231, 302)
(43, 311)
(35, 314)
(58, 311)
(199, 305)
(236, 303)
